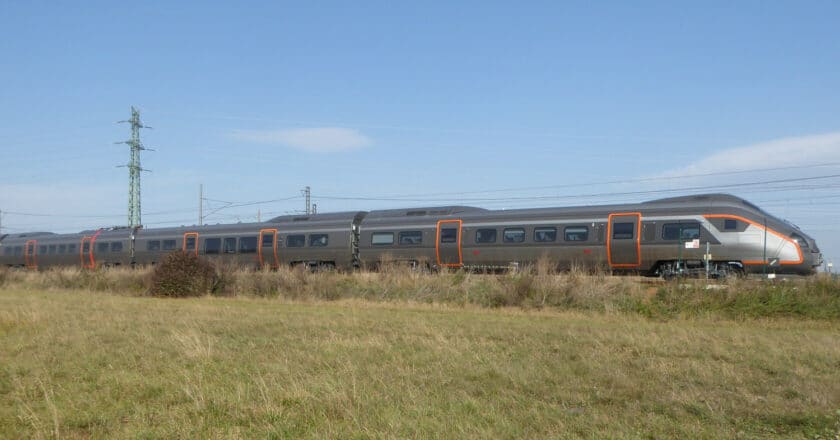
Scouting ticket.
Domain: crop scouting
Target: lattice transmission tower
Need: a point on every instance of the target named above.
(134, 168)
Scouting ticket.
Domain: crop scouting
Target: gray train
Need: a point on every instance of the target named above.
(714, 233)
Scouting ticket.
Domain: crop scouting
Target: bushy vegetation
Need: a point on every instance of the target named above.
(539, 287)
(182, 274)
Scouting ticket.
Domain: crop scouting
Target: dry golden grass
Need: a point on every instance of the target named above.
(77, 364)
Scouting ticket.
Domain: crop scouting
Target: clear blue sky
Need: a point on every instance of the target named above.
(398, 100)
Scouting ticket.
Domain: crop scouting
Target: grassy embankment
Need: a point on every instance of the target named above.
(75, 362)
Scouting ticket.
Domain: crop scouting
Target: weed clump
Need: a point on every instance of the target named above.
(182, 274)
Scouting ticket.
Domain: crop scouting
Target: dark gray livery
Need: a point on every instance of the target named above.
(661, 237)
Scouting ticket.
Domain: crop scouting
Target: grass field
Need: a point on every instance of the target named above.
(78, 363)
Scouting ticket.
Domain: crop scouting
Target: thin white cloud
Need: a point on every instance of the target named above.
(792, 151)
(316, 140)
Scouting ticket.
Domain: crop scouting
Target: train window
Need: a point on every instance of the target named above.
(411, 237)
(62, 248)
(513, 235)
(8, 251)
(42, 250)
(623, 230)
(576, 233)
(268, 239)
(542, 235)
(680, 231)
(730, 224)
(102, 246)
(803, 243)
(229, 245)
(116, 246)
(448, 235)
(52, 249)
(318, 240)
(18, 251)
(485, 236)
(295, 240)
(190, 243)
(71, 248)
(169, 245)
(382, 238)
(153, 245)
(212, 245)
(86, 247)
(247, 245)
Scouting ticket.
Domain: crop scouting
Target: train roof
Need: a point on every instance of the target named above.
(325, 217)
(436, 211)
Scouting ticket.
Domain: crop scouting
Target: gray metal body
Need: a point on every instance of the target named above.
(653, 237)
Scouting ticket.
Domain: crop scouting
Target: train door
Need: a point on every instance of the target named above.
(86, 252)
(267, 250)
(30, 254)
(448, 243)
(191, 243)
(624, 233)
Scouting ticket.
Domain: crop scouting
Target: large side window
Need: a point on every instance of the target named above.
(153, 245)
(212, 245)
(51, 249)
(71, 248)
(514, 235)
(169, 245)
(247, 245)
(485, 235)
(576, 233)
(116, 246)
(62, 248)
(545, 234)
(42, 249)
(382, 238)
(318, 240)
(230, 245)
(102, 246)
(622, 231)
(411, 237)
(295, 240)
(680, 231)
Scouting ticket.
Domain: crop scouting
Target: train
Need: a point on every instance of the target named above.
(715, 234)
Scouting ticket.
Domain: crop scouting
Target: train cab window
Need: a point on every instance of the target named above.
(212, 246)
(153, 245)
(102, 246)
(680, 231)
(485, 236)
(51, 250)
(448, 235)
(62, 248)
(229, 246)
(42, 250)
(318, 240)
(730, 224)
(513, 235)
(409, 238)
(576, 233)
(116, 246)
(622, 231)
(295, 240)
(247, 245)
(71, 248)
(382, 238)
(803, 243)
(543, 235)
(169, 245)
